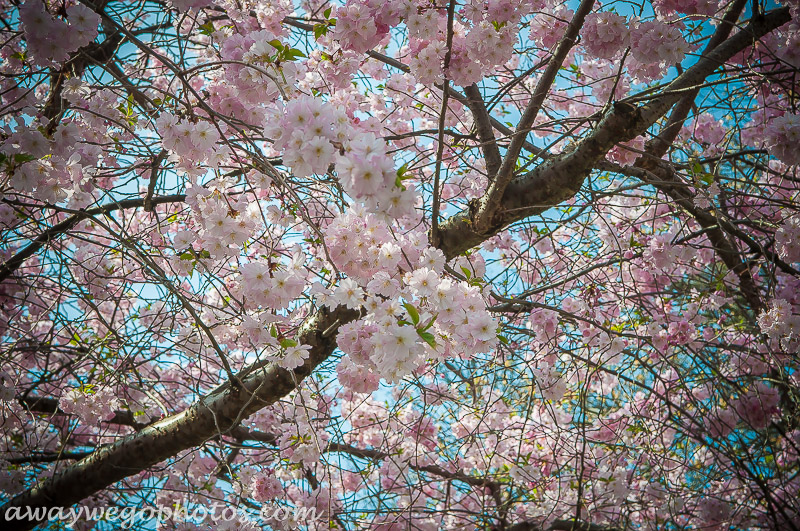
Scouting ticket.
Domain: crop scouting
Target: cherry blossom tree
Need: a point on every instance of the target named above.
(405, 264)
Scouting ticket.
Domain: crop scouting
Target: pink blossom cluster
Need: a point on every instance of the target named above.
(714, 512)
(423, 24)
(783, 137)
(363, 24)
(721, 422)
(224, 227)
(463, 69)
(304, 130)
(661, 253)
(254, 78)
(758, 406)
(414, 312)
(484, 47)
(507, 12)
(358, 377)
(626, 153)
(334, 71)
(265, 486)
(768, 109)
(386, 342)
(708, 130)
(779, 320)
(188, 140)
(551, 383)
(605, 34)
(426, 61)
(313, 134)
(299, 441)
(600, 75)
(681, 332)
(655, 41)
(787, 240)
(60, 169)
(690, 7)
(264, 288)
(420, 429)
(548, 28)
(362, 246)
(91, 405)
(704, 197)
(543, 323)
(51, 39)
(473, 55)
(790, 51)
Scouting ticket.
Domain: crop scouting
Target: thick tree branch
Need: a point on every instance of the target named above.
(668, 182)
(483, 126)
(151, 185)
(490, 202)
(560, 177)
(442, 117)
(209, 417)
(561, 525)
(665, 179)
(461, 98)
(98, 53)
(658, 145)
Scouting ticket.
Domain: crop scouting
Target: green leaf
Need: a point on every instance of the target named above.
(412, 312)
(327, 12)
(275, 43)
(293, 54)
(503, 339)
(467, 272)
(401, 171)
(320, 30)
(21, 158)
(207, 28)
(428, 338)
(429, 323)
(286, 343)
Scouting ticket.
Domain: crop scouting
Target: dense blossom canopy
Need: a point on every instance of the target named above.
(412, 264)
